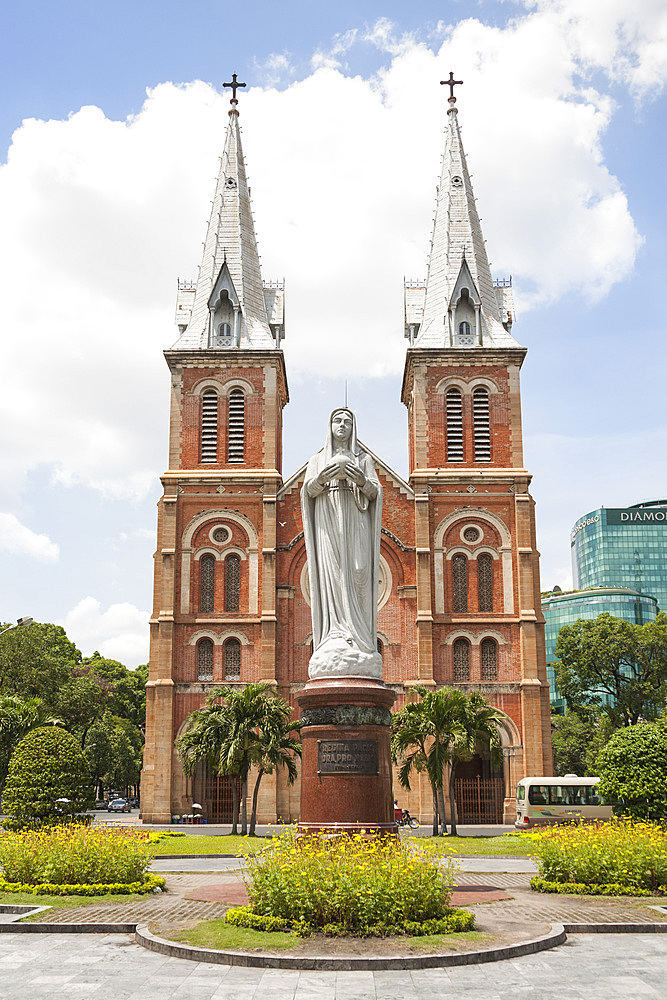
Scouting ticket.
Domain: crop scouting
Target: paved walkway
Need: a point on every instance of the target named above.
(64, 966)
(479, 863)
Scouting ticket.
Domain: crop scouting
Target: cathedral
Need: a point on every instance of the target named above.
(459, 590)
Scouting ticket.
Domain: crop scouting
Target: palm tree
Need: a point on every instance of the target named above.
(18, 716)
(437, 732)
(240, 727)
(424, 733)
(278, 747)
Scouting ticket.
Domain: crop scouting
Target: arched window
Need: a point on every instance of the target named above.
(379, 645)
(205, 660)
(232, 582)
(489, 660)
(209, 426)
(207, 583)
(485, 582)
(454, 411)
(236, 426)
(461, 660)
(460, 582)
(464, 329)
(481, 421)
(232, 660)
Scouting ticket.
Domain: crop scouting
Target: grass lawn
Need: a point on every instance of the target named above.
(228, 844)
(29, 898)
(203, 844)
(467, 846)
(225, 937)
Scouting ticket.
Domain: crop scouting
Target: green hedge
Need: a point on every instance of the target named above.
(581, 889)
(454, 922)
(150, 884)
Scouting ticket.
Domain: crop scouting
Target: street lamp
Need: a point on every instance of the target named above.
(21, 621)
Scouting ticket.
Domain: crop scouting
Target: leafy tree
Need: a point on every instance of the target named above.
(577, 738)
(633, 770)
(113, 750)
(36, 661)
(126, 688)
(48, 780)
(18, 716)
(438, 732)
(616, 665)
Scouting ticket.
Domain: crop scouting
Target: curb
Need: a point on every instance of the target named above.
(44, 928)
(324, 963)
(615, 928)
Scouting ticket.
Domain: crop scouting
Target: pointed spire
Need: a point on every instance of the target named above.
(460, 304)
(229, 308)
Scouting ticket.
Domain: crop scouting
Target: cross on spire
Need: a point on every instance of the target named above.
(451, 83)
(234, 87)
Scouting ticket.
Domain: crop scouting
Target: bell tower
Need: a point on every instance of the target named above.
(214, 615)
(479, 620)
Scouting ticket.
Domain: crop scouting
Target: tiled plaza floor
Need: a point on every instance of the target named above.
(588, 967)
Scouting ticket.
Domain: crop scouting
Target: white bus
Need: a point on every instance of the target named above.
(558, 800)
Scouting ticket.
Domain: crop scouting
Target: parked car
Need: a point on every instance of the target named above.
(119, 806)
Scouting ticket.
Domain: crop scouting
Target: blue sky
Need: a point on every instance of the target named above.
(563, 116)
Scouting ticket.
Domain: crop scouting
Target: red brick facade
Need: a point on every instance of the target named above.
(473, 510)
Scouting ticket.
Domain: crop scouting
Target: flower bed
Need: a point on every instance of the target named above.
(349, 885)
(75, 856)
(621, 857)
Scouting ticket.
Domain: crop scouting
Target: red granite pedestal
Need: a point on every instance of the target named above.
(346, 781)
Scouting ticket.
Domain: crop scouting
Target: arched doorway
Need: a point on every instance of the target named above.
(479, 789)
(214, 793)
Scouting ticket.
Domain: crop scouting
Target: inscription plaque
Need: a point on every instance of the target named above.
(347, 757)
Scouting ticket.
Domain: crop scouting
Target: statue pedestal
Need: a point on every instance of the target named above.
(346, 780)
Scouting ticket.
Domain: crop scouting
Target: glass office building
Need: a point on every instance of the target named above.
(564, 608)
(623, 547)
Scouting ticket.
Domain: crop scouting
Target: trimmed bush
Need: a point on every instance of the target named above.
(622, 853)
(69, 855)
(47, 765)
(151, 883)
(454, 922)
(352, 883)
(581, 889)
(633, 770)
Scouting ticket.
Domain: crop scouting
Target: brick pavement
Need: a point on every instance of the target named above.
(525, 907)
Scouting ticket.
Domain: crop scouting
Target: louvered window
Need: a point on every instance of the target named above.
(236, 428)
(489, 660)
(460, 582)
(205, 660)
(232, 660)
(232, 582)
(207, 583)
(461, 660)
(485, 582)
(481, 420)
(209, 426)
(454, 406)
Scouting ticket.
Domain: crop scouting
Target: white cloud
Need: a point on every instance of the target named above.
(119, 633)
(17, 540)
(100, 217)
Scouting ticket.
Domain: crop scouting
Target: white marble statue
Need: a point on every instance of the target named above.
(341, 501)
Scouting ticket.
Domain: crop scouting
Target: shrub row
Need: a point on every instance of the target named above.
(582, 889)
(454, 922)
(150, 884)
